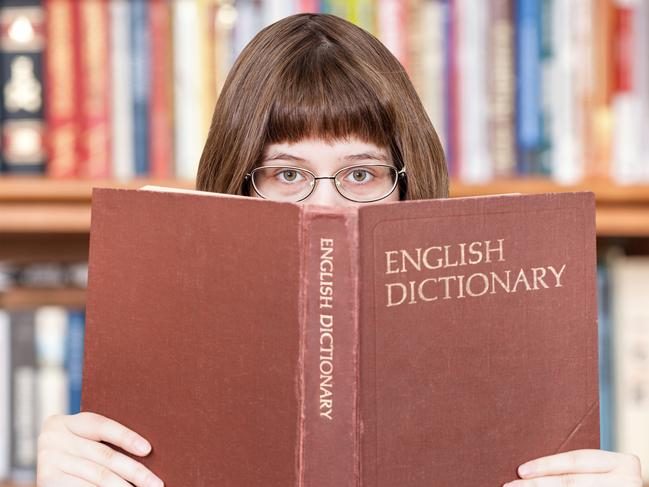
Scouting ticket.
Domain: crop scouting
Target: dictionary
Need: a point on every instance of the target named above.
(260, 343)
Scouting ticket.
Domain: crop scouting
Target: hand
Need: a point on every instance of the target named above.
(70, 453)
(581, 468)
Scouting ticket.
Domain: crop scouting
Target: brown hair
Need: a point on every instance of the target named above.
(318, 75)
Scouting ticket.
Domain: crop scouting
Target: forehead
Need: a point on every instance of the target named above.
(315, 148)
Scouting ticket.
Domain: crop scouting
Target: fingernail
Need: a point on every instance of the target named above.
(155, 482)
(524, 470)
(142, 446)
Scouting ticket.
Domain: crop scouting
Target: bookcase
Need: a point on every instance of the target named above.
(493, 67)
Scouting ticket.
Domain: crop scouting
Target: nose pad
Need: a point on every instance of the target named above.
(326, 194)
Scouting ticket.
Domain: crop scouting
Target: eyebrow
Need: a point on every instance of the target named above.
(352, 157)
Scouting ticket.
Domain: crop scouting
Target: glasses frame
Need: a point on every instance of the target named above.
(400, 173)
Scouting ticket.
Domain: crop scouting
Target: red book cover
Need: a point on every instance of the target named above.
(60, 97)
(623, 46)
(431, 342)
(160, 117)
(94, 89)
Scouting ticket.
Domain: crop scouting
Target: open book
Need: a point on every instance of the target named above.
(260, 343)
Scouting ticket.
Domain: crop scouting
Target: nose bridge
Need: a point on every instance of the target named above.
(325, 193)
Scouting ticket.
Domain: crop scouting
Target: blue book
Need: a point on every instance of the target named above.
(605, 386)
(528, 84)
(74, 357)
(140, 68)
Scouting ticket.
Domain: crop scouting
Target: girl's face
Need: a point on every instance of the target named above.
(324, 159)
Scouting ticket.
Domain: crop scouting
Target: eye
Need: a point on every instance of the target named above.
(360, 175)
(289, 176)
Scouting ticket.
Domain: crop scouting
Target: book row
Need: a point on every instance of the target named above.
(41, 362)
(120, 89)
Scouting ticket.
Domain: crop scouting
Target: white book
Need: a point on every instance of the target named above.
(122, 143)
(627, 113)
(641, 74)
(187, 88)
(630, 327)
(51, 324)
(5, 394)
(475, 165)
(389, 18)
(273, 10)
(567, 154)
(431, 25)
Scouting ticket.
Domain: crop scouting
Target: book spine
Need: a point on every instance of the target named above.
(329, 423)
(604, 338)
(22, 39)
(140, 69)
(50, 330)
(433, 65)
(476, 166)
(392, 25)
(23, 396)
(5, 392)
(60, 111)
(123, 153)
(528, 89)
(160, 147)
(74, 358)
(307, 6)
(630, 318)
(95, 94)
(601, 123)
(501, 88)
(546, 60)
(626, 105)
(451, 98)
(187, 75)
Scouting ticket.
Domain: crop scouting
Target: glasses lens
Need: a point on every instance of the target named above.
(282, 183)
(367, 183)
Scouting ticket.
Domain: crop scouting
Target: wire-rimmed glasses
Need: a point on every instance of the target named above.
(362, 183)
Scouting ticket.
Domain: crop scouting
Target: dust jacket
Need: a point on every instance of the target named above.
(429, 342)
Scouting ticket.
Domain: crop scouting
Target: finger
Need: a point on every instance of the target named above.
(123, 465)
(86, 470)
(66, 480)
(576, 461)
(578, 480)
(100, 428)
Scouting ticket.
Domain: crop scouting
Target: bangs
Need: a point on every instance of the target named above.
(321, 97)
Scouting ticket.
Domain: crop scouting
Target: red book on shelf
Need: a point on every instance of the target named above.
(60, 97)
(432, 342)
(94, 89)
(160, 118)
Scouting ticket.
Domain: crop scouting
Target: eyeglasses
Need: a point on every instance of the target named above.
(362, 183)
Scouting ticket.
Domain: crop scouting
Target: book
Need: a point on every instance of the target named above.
(5, 393)
(630, 338)
(22, 39)
(426, 342)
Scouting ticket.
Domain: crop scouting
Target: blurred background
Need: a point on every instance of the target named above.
(526, 95)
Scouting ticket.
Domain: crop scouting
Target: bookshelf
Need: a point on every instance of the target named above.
(30, 205)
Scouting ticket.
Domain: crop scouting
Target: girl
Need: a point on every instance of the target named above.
(327, 103)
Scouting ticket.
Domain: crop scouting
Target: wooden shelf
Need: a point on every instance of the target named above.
(621, 210)
(31, 205)
(32, 297)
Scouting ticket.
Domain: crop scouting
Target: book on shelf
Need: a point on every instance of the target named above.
(41, 353)
(257, 342)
